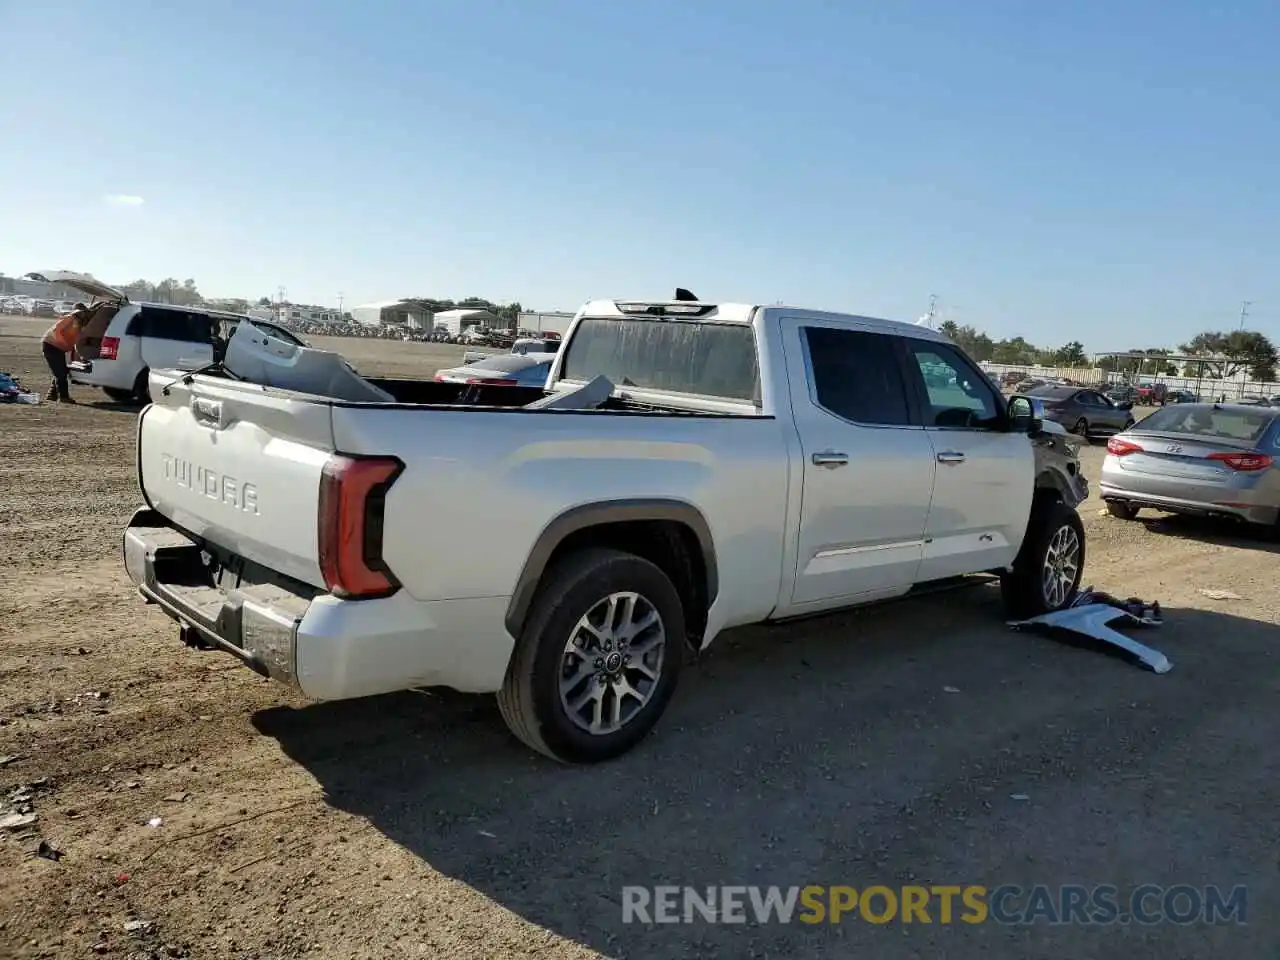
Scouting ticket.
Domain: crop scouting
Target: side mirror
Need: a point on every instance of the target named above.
(1026, 415)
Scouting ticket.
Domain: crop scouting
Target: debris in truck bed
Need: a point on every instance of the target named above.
(586, 397)
(255, 356)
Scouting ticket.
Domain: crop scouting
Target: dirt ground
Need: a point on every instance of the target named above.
(916, 743)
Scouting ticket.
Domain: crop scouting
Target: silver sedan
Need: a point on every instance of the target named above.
(1206, 459)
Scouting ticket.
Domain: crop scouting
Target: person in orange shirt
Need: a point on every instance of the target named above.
(60, 340)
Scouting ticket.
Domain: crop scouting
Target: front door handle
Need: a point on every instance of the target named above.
(951, 456)
(830, 458)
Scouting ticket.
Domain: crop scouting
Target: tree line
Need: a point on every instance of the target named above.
(1226, 353)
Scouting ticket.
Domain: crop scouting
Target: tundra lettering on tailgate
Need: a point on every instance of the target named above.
(238, 494)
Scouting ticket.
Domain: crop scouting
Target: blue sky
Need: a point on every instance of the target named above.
(1096, 171)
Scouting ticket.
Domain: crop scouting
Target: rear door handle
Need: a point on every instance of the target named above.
(830, 458)
(951, 456)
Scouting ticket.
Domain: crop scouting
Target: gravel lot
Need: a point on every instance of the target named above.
(879, 747)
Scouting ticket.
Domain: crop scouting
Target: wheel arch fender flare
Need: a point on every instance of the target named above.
(1049, 481)
(583, 517)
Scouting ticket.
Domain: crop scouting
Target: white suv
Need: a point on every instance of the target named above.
(127, 339)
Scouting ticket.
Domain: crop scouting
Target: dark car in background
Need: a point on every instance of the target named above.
(1181, 396)
(1121, 393)
(1082, 410)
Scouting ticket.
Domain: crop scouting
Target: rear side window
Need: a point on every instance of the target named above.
(704, 359)
(857, 376)
(1208, 423)
(171, 323)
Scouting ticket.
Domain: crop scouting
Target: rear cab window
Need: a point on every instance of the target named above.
(857, 376)
(672, 355)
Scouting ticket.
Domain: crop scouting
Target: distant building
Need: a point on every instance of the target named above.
(401, 313)
(455, 321)
(545, 322)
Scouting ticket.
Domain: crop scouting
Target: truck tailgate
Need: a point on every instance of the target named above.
(240, 467)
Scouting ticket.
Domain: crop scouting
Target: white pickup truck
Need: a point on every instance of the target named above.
(752, 463)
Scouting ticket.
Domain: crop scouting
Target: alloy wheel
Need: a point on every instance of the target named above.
(1061, 566)
(612, 662)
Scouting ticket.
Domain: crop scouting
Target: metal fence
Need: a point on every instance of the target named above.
(1230, 388)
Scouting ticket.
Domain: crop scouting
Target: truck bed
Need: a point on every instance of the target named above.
(455, 396)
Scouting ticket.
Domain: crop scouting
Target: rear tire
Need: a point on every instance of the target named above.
(1081, 429)
(1122, 510)
(567, 674)
(1128, 424)
(1046, 573)
(142, 387)
(119, 396)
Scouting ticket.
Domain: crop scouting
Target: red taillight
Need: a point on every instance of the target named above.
(1122, 448)
(352, 498)
(110, 349)
(493, 383)
(1243, 461)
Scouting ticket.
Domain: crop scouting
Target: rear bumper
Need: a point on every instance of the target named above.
(1231, 510)
(99, 373)
(81, 372)
(327, 648)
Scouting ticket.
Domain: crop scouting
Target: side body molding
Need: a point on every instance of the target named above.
(598, 514)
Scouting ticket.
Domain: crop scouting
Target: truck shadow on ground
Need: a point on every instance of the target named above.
(111, 406)
(916, 743)
(1224, 533)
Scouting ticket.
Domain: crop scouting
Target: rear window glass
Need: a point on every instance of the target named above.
(172, 323)
(1226, 423)
(510, 363)
(708, 359)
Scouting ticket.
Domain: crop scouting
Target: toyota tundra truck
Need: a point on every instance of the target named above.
(745, 463)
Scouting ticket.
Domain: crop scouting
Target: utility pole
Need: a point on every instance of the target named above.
(927, 319)
(1244, 311)
(339, 306)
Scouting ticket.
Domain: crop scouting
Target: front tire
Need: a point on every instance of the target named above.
(1081, 429)
(1046, 573)
(598, 659)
